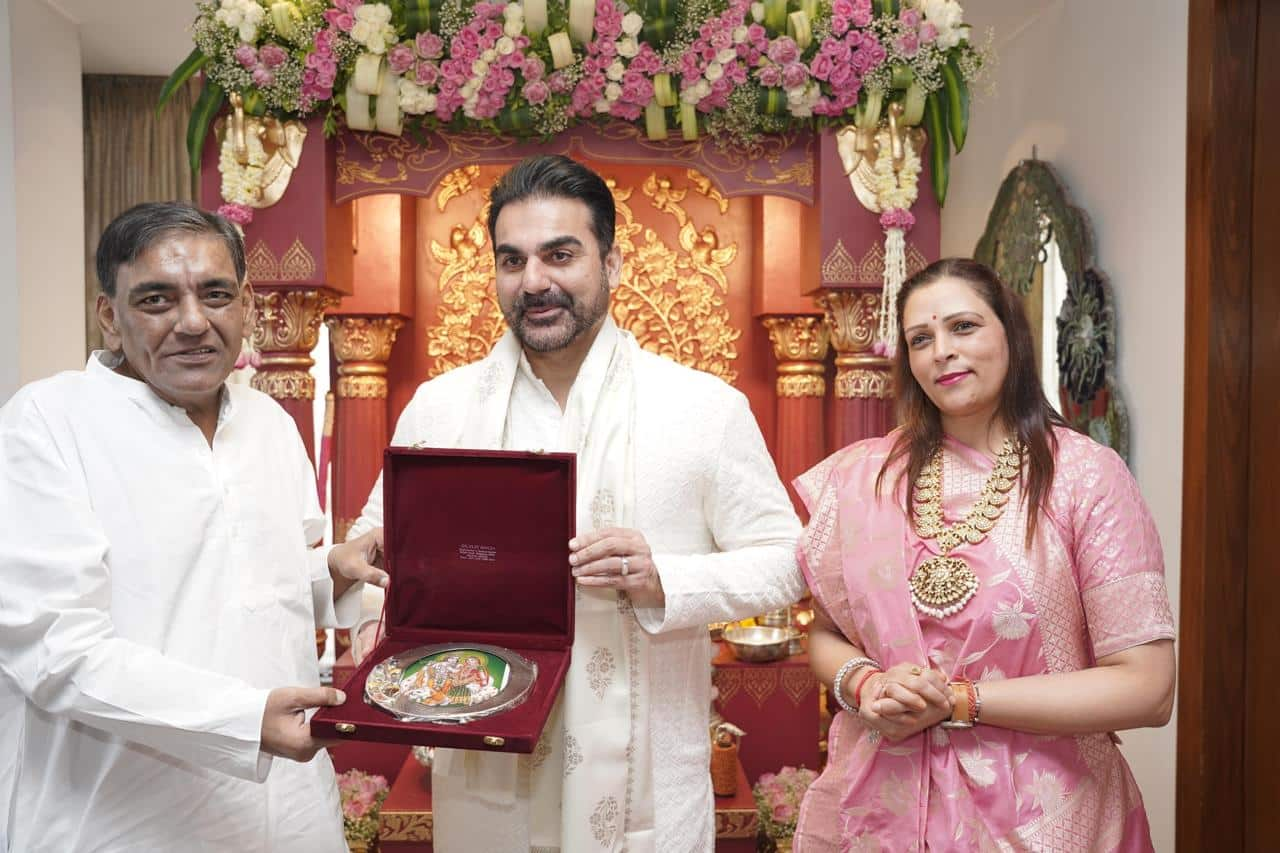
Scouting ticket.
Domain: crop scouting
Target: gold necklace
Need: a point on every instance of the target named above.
(943, 585)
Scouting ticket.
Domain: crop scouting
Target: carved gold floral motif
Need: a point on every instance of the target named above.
(863, 383)
(289, 320)
(797, 337)
(363, 338)
(297, 264)
(737, 823)
(285, 384)
(671, 298)
(457, 183)
(702, 184)
(801, 385)
(261, 264)
(852, 316)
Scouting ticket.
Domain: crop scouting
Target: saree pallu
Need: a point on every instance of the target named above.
(1091, 584)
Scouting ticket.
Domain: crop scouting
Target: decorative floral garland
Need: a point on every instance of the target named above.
(733, 69)
(897, 187)
(241, 182)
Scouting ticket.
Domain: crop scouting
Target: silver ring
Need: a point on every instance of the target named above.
(625, 566)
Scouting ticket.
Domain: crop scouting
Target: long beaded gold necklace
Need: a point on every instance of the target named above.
(944, 584)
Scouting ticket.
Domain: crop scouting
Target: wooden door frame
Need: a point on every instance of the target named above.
(1226, 788)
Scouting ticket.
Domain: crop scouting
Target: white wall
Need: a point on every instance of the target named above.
(48, 188)
(1099, 88)
(9, 344)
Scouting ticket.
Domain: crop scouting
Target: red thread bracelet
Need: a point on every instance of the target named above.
(857, 690)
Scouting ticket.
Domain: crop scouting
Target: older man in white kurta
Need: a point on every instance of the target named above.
(674, 483)
(155, 588)
(158, 591)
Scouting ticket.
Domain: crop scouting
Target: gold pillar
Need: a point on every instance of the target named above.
(864, 387)
(800, 344)
(285, 332)
(362, 345)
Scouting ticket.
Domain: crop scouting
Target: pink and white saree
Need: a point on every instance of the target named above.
(1092, 584)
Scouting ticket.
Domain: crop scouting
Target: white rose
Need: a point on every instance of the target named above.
(490, 55)
(612, 92)
(714, 72)
(505, 46)
(248, 32)
(361, 31)
(253, 13)
(702, 88)
(415, 99)
(615, 70)
(602, 105)
(628, 47)
(726, 56)
(227, 17)
(632, 23)
(469, 88)
(757, 12)
(513, 12)
(479, 68)
(513, 28)
(740, 34)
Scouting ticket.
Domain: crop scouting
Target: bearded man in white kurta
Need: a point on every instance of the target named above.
(157, 585)
(681, 518)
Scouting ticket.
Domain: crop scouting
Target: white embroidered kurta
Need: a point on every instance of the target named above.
(720, 525)
(152, 590)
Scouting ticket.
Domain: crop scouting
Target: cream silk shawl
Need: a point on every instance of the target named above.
(580, 784)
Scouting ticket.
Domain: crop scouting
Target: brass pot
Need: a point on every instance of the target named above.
(758, 644)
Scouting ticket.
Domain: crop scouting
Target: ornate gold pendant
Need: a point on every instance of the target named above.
(942, 585)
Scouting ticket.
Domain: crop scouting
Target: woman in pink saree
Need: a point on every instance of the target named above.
(991, 604)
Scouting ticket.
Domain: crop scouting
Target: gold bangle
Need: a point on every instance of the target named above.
(962, 710)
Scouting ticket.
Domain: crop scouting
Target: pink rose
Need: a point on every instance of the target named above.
(272, 55)
(246, 56)
(843, 8)
(534, 68)
(340, 19)
(324, 41)
(783, 50)
(722, 39)
(625, 111)
(928, 33)
(608, 50)
(771, 76)
(348, 5)
(822, 67)
(841, 75)
(240, 214)
(758, 36)
(794, 75)
(263, 77)
(784, 813)
(910, 18)
(908, 45)
(401, 58)
(536, 92)
(557, 82)
(426, 73)
(861, 16)
(492, 32)
(636, 88)
(839, 24)
(428, 45)
(326, 77)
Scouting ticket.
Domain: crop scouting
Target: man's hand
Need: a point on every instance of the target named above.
(357, 560)
(905, 700)
(285, 731)
(617, 558)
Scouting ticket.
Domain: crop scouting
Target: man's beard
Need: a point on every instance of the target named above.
(538, 337)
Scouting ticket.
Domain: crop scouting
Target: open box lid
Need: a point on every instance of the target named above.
(477, 546)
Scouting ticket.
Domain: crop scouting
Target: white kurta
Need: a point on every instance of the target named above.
(719, 522)
(152, 590)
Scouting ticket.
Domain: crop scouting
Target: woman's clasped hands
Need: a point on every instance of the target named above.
(904, 700)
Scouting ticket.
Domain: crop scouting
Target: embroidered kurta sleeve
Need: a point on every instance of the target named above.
(1118, 559)
(60, 647)
(753, 525)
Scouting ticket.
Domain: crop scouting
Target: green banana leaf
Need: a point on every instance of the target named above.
(206, 107)
(193, 63)
(935, 124)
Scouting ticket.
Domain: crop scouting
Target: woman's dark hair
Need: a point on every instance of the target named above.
(1023, 407)
(556, 176)
(138, 228)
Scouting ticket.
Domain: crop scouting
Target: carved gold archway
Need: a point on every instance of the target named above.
(671, 295)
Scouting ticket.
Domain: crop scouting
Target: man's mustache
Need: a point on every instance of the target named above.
(545, 299)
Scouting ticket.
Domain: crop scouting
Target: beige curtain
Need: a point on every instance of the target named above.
(131, 155)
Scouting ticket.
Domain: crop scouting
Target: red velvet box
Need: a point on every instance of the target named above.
(477, 546)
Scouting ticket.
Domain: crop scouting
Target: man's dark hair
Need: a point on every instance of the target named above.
(555, 176)
(140, 227)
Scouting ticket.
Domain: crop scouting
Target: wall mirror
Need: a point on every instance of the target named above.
(1042, 246)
